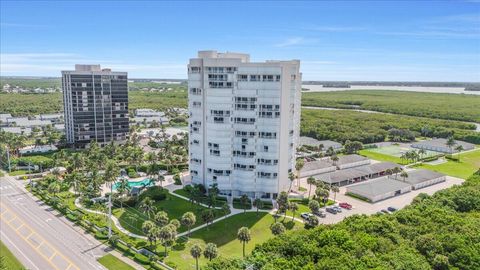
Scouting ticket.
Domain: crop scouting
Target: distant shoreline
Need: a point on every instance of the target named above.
(428, 89)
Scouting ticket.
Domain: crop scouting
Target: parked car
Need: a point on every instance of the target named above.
(320, 214)
(379, 213)
(331, 210)
(392, 209)
(338, 209)
(385, 211)
(345, 205)
(306, 216)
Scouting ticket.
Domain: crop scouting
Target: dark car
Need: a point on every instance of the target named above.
(392, 209)
(331, 210)
(345, 205)
(320, 214)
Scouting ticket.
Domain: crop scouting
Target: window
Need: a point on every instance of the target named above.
(277, 78)
(195, 91)
(267, 78)
(195, 69)
(265, 148)
(254, 78)
(242, 77)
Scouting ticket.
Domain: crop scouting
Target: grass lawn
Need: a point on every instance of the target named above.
(224, 235)
(132, 218)
(18, 172)
(113, 263)
(369, 153)
(468, 164)
(8, 259)
(303, 207)
(204, 200)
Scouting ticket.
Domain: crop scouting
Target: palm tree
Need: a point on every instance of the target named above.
(122, 188)
(225, 209)
(188, 220)
(310, 181)
(147, 226)
(388, 172)
(334, 189)
(207, 216)
(244, 202)
(459, 149)
(396, 170)
(211, 251)
(422, 152)
(451, 143)
(161, 218)
(335, 159)
(314, 206)
(196, 252)
(294, 208)
(166, 235)
(147, 206)
(298, 167)
(258, 204)
(277, 228)
(244, 237)
(291, 177)
(404, 175)
(54, 188)
(321, 193)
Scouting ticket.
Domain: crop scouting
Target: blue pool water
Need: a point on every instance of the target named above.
(145, 182)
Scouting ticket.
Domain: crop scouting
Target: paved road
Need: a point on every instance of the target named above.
(39, 238)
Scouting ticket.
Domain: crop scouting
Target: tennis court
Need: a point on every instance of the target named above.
(398, 151)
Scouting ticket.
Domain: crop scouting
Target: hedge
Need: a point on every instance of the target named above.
(141, 259)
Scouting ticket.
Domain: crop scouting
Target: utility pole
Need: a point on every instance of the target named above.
(8, 160)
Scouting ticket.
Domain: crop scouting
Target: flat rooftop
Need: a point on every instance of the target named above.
(314, 142)
(315, 165)
(440, 142)
(350, 159)
(377, 187)
(419, 176)
(356, 172)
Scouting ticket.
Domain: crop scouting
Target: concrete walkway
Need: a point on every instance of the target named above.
(114, 219)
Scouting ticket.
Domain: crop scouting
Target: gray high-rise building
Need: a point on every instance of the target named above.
(95, 104)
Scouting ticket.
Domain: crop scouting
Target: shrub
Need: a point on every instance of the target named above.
(156, 266)
(177, 179)
(100, 235)
(156, 193)
(71, 217)
(141, 259)
(171, 264)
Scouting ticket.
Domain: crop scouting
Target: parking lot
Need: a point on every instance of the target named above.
(362, 207)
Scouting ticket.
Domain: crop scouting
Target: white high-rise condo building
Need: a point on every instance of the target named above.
(95, 105)
(244, 123)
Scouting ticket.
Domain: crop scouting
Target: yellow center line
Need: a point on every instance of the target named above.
(43, 240)
(10, 220)
(51, 257)
(19, 227)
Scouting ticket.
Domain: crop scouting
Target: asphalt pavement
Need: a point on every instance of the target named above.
(39, 236)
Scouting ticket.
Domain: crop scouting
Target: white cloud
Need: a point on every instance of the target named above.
(291, 42)
(51, 64)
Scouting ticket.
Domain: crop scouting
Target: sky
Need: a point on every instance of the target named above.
(350, 40)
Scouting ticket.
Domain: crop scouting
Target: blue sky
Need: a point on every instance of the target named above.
(412, 41)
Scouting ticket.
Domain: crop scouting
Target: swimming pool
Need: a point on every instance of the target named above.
(145, 182)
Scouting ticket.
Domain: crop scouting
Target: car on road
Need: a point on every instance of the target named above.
(385, 211)
(331, 210)
(320, 214)
(392, 209)
(306, 216)
(345, 205)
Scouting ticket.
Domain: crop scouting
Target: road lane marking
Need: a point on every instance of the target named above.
(19, 250)
(44, 242)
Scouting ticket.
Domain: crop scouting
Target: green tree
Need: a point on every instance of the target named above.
(161, 218)
(310, 181)
(147, 206)
(196, 252)
(314, 206)
(258, 203)
(244, 201)
(294, 208)
(404, 175)
(54, 188)
(282, 202)
(188, 220)
(244, 237)
(211, 251)
(207, 216)
(335, 190)
(277, 228)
